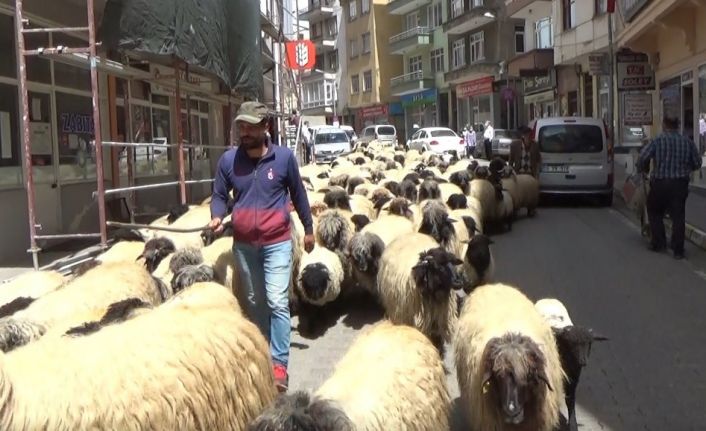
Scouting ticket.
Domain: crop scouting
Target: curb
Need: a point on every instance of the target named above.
(692, 234)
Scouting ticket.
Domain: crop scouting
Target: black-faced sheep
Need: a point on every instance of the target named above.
(507, 363)
(478, 265)
(337, 198)
(415, 283)
(320, 276)
(176, 212)
(457, 201)
(190, 274)
(360, 221)
(31, 284)
(353, 183)
(429, 189)
(207, 367)
(574, 344)
(408, 190)
(364, 251)
(413, 177)
(366, 393)
(393, 187)
(155, 250)
(435, 222)
(399, 158)
(462, 179)
(92, 292)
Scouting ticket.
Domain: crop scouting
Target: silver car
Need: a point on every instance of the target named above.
(503, 141)
(330, 143)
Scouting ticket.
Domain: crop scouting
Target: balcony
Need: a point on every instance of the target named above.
(410, 40)
(403, 7)
(468, 72)
(469, 19)
(411, 83)
(324, 43)
(318, 94)
(532, 62)
(529, 9)
(317, 10)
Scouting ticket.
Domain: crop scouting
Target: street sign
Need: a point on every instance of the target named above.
(598, 64)
(635, 76)
(637, 109)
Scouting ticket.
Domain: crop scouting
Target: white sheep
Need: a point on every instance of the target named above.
(123, 251)
(507, 363)
(95, 290)
(390, 227)
(505, 210)
(484, 192)
(31, 284)
(366, 391)
(528, 187)
(415, 283)
(192, 363)
(320, 276)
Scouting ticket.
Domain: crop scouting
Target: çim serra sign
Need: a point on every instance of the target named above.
(301, 54)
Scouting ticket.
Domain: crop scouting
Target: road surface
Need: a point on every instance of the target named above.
(649, 376)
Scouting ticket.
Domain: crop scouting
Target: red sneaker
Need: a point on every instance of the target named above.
(281, 377)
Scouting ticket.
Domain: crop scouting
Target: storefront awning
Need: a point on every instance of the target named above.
(546, 96)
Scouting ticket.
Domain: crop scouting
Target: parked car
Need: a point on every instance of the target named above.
(384, 133)
(577, 157)
(351, 133)
(440, 140)
(503, 140)
(330, 143)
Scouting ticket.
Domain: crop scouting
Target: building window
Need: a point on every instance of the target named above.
(458, 54)
(414, 64)
(477, 47)
(366, 43)
(456, 8)
(519, 39)
(412, 20)
(367, 81)
(437, 60)
(569, 11)
(601, 6)
(364, 6)
(352, 12)
(544, 34)
(434, 18)
(332, 27)
(332, 61)
(353, 47)
(355, 84)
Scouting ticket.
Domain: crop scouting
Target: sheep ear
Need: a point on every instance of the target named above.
(542, 376)
(465, 241)
(597, 336)
(452, 220)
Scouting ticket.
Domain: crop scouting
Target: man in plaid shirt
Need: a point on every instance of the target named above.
(675, 158)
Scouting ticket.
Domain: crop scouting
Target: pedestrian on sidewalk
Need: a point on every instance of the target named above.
(675, 158)
(264, 179)
(488, 135)
(469, 137)
(525, 157)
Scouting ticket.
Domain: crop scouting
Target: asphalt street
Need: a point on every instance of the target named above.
(649, 376)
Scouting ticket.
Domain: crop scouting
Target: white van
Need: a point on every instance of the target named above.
(577, 157)
(384, 133)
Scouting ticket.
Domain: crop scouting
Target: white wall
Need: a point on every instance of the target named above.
(588, 35)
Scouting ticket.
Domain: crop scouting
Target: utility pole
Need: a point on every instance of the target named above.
(611, 63)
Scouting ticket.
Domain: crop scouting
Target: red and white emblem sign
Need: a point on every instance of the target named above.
(301, 54)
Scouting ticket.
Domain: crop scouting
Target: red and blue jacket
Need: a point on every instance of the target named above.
(262, 190)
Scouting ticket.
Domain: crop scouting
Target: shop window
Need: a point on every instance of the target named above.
(8, 65)
(519, 39)
(70, 76)
(77, 155)
(10, 172)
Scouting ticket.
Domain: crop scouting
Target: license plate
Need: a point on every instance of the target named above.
(556, 169)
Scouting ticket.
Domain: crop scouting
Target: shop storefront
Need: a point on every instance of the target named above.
(420, 109)
(475, 102)
(539, 92)
(568, 89)
(371, 115)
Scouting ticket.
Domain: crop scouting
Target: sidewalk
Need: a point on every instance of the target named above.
(695, 204)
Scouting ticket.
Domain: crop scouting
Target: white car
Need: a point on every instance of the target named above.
(440, 140)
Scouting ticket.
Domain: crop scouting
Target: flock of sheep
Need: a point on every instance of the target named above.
(151, 334)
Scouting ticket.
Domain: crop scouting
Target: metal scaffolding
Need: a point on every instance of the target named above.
(101, 192)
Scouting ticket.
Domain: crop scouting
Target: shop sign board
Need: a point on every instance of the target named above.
(637, 109)
(374, 111)
(635, 75)
(477, 87)
(426, 97)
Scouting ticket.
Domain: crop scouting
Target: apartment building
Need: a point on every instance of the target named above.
(581, 31)
(320, 87)
(423, 92)
(533, 61)
(480, 40)
(672, 35)
(371, 65)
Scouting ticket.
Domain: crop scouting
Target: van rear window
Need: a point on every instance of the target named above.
(385, 131)
(570, 138)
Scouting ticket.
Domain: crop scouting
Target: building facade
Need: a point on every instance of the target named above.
(371, 65)
(138, 104)
(480, 41)
(322, 99)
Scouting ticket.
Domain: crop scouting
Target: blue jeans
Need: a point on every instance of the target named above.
(264, 277)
